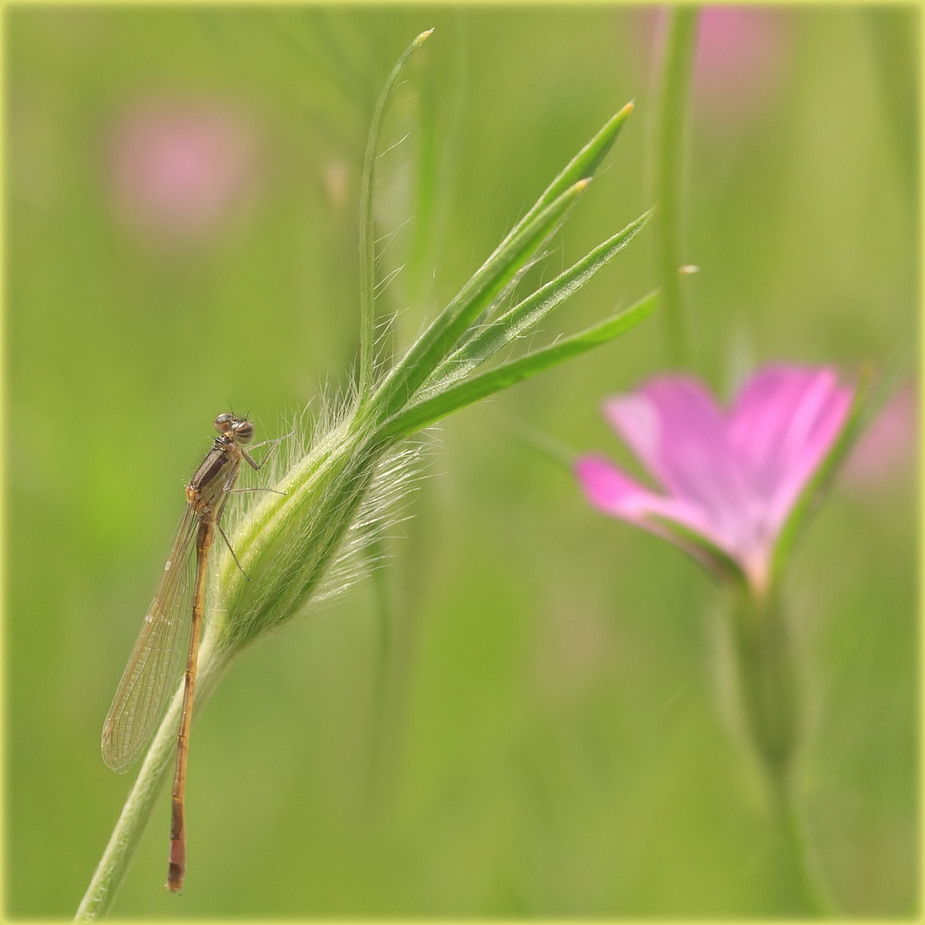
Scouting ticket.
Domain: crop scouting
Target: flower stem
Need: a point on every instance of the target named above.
(671, 125)
(803, 873)
(769, 696)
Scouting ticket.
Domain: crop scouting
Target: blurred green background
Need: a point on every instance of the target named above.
(554, 742)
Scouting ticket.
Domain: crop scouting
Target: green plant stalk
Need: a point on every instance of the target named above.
(767, 685)
(893, 48)
(670, 136)
(766, 680)
(803, 871)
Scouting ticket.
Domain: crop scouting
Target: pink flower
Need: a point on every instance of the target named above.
(180, 167)
(730, 478)
(742, 61)
(885, 454)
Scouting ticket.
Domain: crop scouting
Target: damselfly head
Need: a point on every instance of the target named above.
(240, 428)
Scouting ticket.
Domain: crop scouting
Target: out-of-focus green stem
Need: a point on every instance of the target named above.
(803, 874)
(670, 133)
(769, 696)
(893, 41)
(382, 671)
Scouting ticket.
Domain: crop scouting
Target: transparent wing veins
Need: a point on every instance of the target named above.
(153, 668)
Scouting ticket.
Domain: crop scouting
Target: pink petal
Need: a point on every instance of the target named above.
(734, 478)
(612, 492)
(888, 447)
(827, 423)
(675, 427)
(784, 422)
(764, 412)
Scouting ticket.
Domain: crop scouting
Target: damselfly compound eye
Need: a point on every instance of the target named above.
(224, 422)
(243, 431)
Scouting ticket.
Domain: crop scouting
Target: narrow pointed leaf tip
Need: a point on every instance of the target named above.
(597, 149)
(583, 165)
(444, 332)
(529, 312)
(368, 359)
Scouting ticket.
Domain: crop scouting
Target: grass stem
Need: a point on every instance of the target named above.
(670, 136)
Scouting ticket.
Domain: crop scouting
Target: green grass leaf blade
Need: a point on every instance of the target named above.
(431, 410)
(535, 307)
(582, 166)
(475, 296)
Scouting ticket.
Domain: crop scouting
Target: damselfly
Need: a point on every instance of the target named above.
(173, 625)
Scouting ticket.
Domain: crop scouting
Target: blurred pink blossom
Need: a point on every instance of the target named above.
(742, 60)
(730, 478)
(887, 448)
(181, 168)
